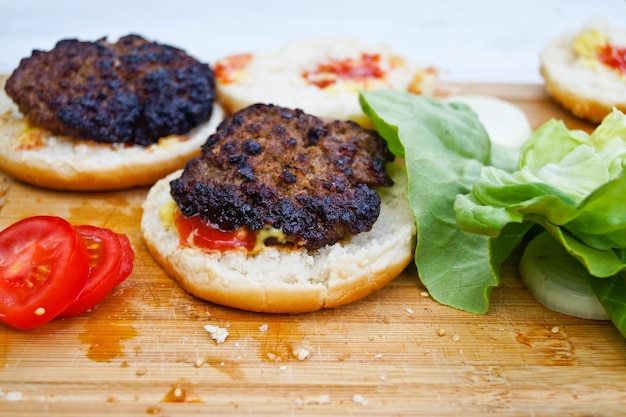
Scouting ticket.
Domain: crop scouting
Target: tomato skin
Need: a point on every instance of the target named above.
(43, 267)
(105, 266)
(208, 236)
(128, 256)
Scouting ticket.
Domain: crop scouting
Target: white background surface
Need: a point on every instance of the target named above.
(473, 41)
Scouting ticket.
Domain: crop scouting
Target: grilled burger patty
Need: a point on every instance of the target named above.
(133, 91)
(270, 165)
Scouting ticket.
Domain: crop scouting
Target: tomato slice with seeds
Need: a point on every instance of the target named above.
(105, 263)
(43, 267)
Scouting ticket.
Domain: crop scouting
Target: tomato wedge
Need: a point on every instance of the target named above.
(108, 265)
(43, 267)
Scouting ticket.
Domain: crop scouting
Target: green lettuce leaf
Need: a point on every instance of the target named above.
(470, 216)
(444, 147)
(610, 291)
(568, 182)
(574, 186)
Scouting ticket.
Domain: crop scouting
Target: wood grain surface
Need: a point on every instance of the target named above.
(144, 351)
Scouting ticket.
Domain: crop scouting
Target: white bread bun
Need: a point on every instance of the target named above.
(35, 156)
(278, 77)
(287, 281)
(577, 79)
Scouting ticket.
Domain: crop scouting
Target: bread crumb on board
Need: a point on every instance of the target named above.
(302, 350)
(12, 395)
(219, 334)
(359, 399)
(313, 399)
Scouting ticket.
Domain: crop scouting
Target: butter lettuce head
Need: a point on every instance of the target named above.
(471, 215)
(571, 183)
(575, 161)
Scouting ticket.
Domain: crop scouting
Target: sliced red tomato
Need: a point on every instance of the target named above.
(105, 262)
(197, 231)
(43, 267)
(128, 256)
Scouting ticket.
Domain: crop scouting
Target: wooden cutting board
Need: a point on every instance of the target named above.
(144, 351)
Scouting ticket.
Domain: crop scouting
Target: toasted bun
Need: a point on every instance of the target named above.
(277, 77)
(35, 156)
(581, 84)
(286, 281)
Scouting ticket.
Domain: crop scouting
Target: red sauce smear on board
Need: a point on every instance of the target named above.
(613, 57)
(368, 66)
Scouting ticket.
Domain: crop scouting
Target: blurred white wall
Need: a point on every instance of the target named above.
(480, 40)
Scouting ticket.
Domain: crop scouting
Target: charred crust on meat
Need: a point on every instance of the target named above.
(133, 91)
(269, 165)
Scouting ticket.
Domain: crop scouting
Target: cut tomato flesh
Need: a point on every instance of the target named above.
(105, 262)
(199, 232)
(43, 267)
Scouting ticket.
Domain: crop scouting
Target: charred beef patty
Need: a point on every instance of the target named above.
(269, 165)
(133, 91)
